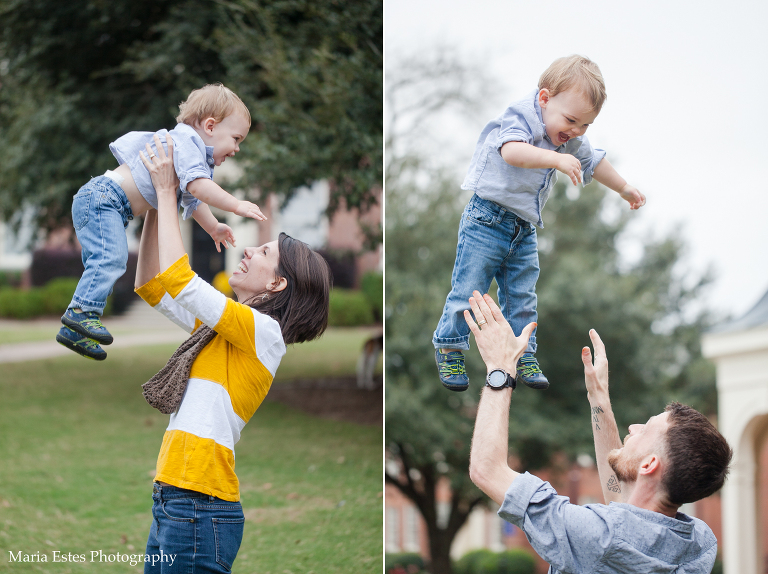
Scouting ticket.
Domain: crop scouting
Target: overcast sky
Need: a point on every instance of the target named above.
(685, 119)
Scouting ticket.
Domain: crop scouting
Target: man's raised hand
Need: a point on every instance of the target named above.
(595, 374)
(496, 341)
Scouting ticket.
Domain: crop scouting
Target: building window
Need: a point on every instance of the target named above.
(411, 530)
(392, 537)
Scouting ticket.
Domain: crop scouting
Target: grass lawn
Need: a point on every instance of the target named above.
(333, 355)
(78, 446)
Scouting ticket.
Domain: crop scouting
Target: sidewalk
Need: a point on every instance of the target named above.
(139, 326)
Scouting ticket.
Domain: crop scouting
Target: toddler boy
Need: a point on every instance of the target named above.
(512, 172)
(212, 123)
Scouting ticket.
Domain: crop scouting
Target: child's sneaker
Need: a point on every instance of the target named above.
(451, 368)
(87, 323)
(529, 372)
(81, 345)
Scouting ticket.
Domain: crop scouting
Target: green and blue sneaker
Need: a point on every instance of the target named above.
(81, 345)
(529, 372)
(451, 368)
(87, 323)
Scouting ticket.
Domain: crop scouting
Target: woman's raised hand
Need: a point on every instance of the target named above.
(160, 167)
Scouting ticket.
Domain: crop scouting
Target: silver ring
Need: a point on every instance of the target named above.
(480, 324)
(152, 155)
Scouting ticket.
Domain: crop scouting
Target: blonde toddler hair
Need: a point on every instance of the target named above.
(211, 101)
(575, 71)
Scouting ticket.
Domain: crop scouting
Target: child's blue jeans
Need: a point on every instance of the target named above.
(202, 533)
(493, 242)
(100, 214)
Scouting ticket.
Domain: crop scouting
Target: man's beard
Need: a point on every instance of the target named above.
(624, 467)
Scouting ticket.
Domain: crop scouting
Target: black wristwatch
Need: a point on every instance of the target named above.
(498, 379)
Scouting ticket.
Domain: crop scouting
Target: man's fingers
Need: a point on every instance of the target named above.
(597, 343)
(471, 323)
(495, 311)
(476, 309)
(483, 305)
(527, 330)
(586, 358)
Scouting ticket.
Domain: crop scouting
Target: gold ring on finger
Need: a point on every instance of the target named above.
(481, 323)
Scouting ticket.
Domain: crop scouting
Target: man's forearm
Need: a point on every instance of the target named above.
(211, 193)
(521, 154)
(488, 467)
(606, 174)
(606, 435)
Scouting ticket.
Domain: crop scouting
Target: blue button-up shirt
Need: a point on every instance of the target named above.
(191, 158)
(523, 191)
(599, 539)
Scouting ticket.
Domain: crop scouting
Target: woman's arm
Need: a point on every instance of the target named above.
(149, 264)
(163, 174)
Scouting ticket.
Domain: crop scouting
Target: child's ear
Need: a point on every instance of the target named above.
(208, 125)
(544, 96)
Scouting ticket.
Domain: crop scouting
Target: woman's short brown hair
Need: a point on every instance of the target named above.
(575, 71)
(211, 101)
(302, 307)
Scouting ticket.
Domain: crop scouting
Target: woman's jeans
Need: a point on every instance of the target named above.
(493, 243)
(192, 532)
(100, 213)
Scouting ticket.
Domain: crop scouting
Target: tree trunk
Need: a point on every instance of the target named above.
(439, 549)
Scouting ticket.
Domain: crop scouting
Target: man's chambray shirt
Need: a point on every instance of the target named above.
(523, 191)
(599, 539)
(191, 158)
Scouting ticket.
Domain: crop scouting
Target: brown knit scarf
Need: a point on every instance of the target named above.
(165, 390)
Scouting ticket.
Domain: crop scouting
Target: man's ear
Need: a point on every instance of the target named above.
(544, 96)
(650, 465)
(277, 285)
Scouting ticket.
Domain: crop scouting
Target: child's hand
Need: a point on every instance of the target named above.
(248, 209)
(221, 235)
(570, 166)
(633, 196)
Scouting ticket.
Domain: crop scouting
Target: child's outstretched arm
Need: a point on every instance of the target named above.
(221, 233)
(212, 194)
(610, 178)
(521, 154)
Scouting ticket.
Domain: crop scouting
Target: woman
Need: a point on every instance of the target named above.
(227, 368)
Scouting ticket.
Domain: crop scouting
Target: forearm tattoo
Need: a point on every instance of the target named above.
(596, 411)
(613, 484)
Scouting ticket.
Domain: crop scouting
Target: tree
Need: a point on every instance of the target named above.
(640, 311)
(76, 75)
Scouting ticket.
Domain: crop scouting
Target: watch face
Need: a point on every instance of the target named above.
(497, 379)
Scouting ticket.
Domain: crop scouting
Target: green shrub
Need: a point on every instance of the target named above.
(349, 309)
(52, 299)
(372, 285)
(470, 562)
(10, 278)
(405, 563)
(515, 561)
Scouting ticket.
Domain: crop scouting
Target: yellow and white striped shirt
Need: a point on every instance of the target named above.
(228, 381)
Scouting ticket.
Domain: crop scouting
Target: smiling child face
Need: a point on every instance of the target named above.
(566, 115)
(226, 136)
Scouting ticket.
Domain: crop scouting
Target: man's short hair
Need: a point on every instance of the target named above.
(211, 101)
(697, 456)
(575, 72)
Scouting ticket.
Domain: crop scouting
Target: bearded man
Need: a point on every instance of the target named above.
(674, 458)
